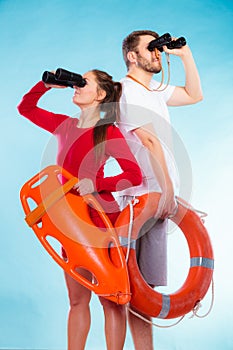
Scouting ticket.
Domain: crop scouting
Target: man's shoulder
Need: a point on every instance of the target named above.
(130, 89)
(124, 79)
(127, 82)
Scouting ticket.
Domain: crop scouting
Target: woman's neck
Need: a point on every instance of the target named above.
(88, 118)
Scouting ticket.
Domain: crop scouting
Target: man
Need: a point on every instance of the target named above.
(143, 110)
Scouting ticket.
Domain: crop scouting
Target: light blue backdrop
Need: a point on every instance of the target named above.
(78, 35)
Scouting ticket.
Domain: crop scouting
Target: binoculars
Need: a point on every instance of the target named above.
(63, 77)
(166, 40)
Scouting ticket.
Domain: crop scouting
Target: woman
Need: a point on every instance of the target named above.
(84, 145)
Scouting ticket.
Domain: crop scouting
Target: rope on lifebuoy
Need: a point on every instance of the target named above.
(152, 323)
(198, 305)
(202, 214)
(195, 311)
(131, 217)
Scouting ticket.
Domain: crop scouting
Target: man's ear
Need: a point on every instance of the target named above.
(132, 57)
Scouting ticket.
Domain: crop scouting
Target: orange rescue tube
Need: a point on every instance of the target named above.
(64, 215)
(147, 300)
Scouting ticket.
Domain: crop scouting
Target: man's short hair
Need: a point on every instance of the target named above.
(130, 43)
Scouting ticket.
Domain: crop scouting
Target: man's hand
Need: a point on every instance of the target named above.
(182, 51)
(167, 206)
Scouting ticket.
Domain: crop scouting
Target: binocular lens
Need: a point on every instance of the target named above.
(159, 42)
(176, 44)
(63, 77)
(76, 79)
(46, 76)
(49, 78)
(166, 40)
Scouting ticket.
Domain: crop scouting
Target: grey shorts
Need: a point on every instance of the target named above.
(151, 250)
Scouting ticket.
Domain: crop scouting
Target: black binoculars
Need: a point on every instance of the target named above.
(166, 40)
(63, 77)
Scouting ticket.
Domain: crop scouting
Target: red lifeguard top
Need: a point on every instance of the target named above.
(76, 149)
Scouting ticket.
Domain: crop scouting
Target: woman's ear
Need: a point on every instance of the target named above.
(132, 57)
(101, 95)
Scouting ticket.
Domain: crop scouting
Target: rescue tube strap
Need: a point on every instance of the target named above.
(37, 213)
(116, 295)
(204, 262)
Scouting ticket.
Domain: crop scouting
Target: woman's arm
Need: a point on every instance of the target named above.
(117, 147)
(42, 118)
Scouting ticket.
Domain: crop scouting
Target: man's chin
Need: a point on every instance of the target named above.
(154, 71)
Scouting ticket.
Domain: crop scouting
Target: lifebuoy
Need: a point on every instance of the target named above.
(64, 216)
(147, 300)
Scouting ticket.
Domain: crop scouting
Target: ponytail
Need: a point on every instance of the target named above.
(109, 107)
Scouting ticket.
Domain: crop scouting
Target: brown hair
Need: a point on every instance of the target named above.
(130, 43)
(109, 106)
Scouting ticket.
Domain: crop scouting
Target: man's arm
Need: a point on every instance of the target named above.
(190, 93)
(148, 138)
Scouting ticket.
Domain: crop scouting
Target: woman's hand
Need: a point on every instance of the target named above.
(48, 86)
(84, 186)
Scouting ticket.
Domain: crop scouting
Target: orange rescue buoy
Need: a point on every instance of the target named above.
(147, 300)
(64, 215)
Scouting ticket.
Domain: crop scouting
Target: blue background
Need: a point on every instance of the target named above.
(77, 35)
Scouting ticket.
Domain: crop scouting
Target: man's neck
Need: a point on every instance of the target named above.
(140, 75)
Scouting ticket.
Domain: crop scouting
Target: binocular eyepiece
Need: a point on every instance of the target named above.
(166, 40)
(63, 77)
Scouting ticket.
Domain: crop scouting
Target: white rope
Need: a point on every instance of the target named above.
(198, 306)
(195, 313)
(131, 218)
(151, 322)
(168, 79)
(202, 214)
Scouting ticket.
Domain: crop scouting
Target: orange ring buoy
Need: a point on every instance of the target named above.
(64, 216)
(147, 300)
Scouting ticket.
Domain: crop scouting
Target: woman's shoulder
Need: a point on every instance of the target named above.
(113, 131)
